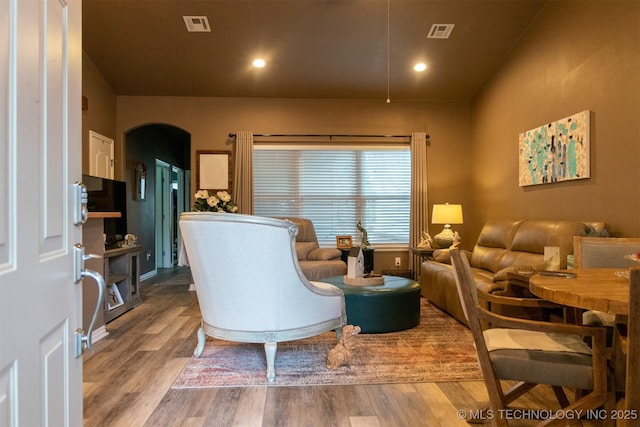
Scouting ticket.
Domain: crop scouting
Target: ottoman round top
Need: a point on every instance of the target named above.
(392, 284)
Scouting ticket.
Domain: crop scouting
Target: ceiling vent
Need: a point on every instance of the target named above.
(197, 24)
(440, 31)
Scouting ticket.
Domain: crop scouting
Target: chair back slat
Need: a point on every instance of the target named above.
(604, 252)
(632, 394)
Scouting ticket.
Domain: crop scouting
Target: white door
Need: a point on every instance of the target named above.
(40, 159)
(177, 186)
(163, 215)
(101, 152)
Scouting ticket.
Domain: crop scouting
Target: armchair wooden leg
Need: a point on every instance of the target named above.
(270, 351)
(201, 341)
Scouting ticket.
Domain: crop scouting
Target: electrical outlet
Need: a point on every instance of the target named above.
(398, 261)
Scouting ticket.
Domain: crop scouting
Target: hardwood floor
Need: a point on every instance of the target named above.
(127, 382)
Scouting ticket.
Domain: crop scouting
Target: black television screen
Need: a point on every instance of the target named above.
(108, 195)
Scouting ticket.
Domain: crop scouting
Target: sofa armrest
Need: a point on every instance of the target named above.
(323, 254)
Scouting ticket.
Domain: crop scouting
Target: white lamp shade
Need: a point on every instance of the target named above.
(447, 214)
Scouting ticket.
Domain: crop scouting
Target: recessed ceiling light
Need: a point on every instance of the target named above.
(420, 66)
(259, 63)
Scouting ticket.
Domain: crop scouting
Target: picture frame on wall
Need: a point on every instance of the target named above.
(214, 170)
(555, 151)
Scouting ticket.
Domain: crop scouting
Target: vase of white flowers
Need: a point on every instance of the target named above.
(210, 202)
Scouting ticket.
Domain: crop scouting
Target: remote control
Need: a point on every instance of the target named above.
(558, 274)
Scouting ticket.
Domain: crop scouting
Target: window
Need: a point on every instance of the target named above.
(335, 188)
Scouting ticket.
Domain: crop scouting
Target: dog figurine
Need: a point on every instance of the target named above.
(341, 354)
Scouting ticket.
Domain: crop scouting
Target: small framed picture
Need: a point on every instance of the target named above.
(114, 298)
(344, 242)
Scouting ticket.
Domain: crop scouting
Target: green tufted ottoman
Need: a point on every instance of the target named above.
(391, 307)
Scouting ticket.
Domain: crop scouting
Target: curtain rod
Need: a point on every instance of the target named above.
(290, 135)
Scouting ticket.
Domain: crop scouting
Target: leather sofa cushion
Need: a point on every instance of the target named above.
(532, 236)
(494, 241)
(487, 258)
(303, 249)
(498, 233)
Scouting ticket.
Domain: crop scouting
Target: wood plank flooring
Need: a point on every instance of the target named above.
(127, 382)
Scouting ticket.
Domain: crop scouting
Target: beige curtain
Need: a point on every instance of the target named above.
(419, 203)
(243, 172)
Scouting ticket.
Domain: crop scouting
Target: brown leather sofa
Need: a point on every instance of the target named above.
(316, 262)
(503, 246)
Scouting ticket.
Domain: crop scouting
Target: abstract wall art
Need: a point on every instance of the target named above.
(557, 151)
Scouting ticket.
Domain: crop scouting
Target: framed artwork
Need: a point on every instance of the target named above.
(344, 242)
(140, 178)
(114, 298)
(557, 151)
(214, 170)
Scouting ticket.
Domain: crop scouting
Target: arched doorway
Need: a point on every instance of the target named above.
(164, 151)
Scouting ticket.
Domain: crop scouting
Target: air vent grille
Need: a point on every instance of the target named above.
(440, 31)
(197, 24)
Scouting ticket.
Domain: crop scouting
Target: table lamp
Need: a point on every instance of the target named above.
(446, 214)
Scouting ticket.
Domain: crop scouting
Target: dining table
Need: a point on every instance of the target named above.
(600, 289)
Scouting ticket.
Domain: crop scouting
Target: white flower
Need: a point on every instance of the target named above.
(224, 196)
(205, 201)
(202, 194)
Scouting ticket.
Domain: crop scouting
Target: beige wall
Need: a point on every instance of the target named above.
(100, 115)
(576, 56)
(210, 120)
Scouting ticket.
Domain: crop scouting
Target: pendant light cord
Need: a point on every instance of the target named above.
(388, 50)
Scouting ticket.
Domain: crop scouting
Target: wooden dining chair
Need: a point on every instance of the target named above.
(626, 356)
(603, 252)
(530, 353)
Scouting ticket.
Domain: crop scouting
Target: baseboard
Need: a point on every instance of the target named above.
(148, 275)
(99, 334)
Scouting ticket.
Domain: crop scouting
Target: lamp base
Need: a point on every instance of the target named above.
(444, 239)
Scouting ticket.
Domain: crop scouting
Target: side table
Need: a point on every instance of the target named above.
(424, 254)
(368, 258)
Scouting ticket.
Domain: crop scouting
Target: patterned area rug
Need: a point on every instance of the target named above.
(438, 349)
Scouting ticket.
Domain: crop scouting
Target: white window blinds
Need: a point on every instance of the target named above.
(335, 188)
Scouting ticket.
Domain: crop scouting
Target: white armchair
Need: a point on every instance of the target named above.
(249, 284)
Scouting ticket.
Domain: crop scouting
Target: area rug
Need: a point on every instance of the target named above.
(439, 349)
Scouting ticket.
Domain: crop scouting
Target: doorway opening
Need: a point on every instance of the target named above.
(166, 150)
(171, 201)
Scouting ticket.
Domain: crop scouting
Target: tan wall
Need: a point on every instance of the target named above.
(576, 56)
(100, 115)
(210, 120)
